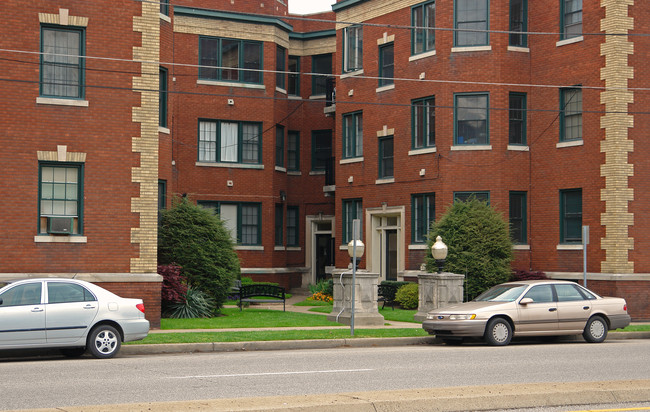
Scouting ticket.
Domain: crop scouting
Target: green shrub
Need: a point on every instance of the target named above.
(195, 304)
(199, 242)
(407, 296)
(326, 287)
(479, 245)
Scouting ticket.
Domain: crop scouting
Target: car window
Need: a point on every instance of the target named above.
(26, 294)
(568, 293)
(501, 293)
(540, 294)
(60, 292)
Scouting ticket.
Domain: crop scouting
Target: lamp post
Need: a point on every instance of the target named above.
(439, 252)
(355, 250)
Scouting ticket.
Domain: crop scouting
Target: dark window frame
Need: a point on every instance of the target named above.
(570, 233)
(293, 82)
(293, 150)
(386, 157)
(517, 217)
(355, 205)
(293, 226)
(318, 82)
(279, 146)
(47, 66)
(352, 124)
(162, 97)
(387, 64)
(422, 216)
(568, 115)
(464, 196)
(423, 40)
(281, 67)
(518, 23)
(517, 118)
(485, 108)
(565, 26)
(78, 228)
(459, 34)
(216, 70)
(352, 41)
(215, 206)
(241, 143)
(421, 127)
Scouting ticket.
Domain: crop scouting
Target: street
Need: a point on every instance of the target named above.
(58, 382)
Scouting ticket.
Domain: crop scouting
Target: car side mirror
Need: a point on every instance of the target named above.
(526, 301)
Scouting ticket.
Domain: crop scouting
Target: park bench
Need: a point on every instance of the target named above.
(252, 293)
(386, 294)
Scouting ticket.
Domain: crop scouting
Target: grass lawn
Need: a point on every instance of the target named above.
(249, 318)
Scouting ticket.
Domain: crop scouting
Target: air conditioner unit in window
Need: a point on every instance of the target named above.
(59, 225)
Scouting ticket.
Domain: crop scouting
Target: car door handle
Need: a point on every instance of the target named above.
(37, 309)
(89, 307)
(552, 309)
(585, 307)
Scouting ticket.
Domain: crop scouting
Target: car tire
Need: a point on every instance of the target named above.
(104, 341)
(498, 332)
(595, 330)
(73, 352)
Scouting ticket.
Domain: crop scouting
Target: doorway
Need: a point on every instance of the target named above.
(323, 255)
(390, 254)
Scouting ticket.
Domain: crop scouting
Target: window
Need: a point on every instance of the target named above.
(293, 87)
(473, 15)
(386, 64)
(352, 48)
(279, 146)
(352, 135)
(570, 114)
(62, 63)
(162, 98)
(466, 196)
(321, 63)
(352, 210)
(59, 292)
(517, 114)
(519, 23)
(424, 123)
(569, 293)
(230, 60)
(243, 220)
(293, 150)
(26, 294)
(279, 224)
(517, 217)
(540, 294)
(61, 198)
(423, 212)
(229, 142)
(423, 38)
(164, 7)
(321, 150)
(471, 114)
(571, 216)
(162, 194)
(280, 67)
(570, 18)
(386, 162)
(293, 223)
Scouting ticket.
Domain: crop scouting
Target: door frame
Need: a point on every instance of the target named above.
(311, 231)
(377, 219)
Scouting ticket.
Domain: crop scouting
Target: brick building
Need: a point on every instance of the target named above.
(434, 101)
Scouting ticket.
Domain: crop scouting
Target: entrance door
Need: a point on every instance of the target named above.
(390, 254)
(323, 255)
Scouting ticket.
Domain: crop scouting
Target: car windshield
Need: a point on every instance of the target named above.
(501, 293)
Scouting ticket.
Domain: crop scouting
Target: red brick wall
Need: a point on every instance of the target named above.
(634, 292)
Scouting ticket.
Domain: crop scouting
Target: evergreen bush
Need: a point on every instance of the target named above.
(407, 296)
(479, 245)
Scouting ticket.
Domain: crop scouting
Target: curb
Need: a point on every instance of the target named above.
(319, 344)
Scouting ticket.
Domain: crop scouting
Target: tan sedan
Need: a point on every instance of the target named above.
(529, 308)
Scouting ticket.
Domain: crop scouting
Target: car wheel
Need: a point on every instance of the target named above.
(73, 352)
(498, 332)
(596, 330)
(104, 341)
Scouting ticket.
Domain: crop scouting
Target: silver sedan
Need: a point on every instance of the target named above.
(69, 314)
(529, 308)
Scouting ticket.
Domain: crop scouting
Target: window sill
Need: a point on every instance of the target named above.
(518, 147)
(231, 84)
(317, 96)
(351, 74)
(279, 248)
(61, 102)
(229, 165)
(163, 130)
(294, 173)
(385, 88)
(60, 239)
(351, 160)
(294, 248)
(165, 17)
(317, 173)
(422, 55)
(568, 246)
(280, 169)
(520, 247)
(572, 40)
(463, 49)
(519, 49)
(466, 147)
(249, 247)
(570, 143)
(418, 246)
(294, 97)
(280, 90)
(425, 150)
(384, 181)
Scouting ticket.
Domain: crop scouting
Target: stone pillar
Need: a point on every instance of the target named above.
(438, 290)
(366, 312)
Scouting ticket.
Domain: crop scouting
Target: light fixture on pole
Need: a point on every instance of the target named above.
(439, 252)
(355, 250)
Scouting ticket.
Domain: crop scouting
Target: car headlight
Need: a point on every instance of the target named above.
(462, 317)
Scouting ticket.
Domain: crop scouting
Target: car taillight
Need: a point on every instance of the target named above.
(140, 307)
(625, 307)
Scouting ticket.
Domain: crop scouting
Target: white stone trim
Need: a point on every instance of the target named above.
(60, 239)
(470, 147)
(231, 84)
(425, 150)
(422, 55)
(569, 41)
(571, 143)
(470, 49)
(61, 102)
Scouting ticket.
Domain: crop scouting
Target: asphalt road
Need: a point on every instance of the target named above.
(57, 382)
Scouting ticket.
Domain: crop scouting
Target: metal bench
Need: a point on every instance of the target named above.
(250, 293)
(386, 294)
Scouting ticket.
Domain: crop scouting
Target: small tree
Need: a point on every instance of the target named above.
(479, 245)
(199, 242)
